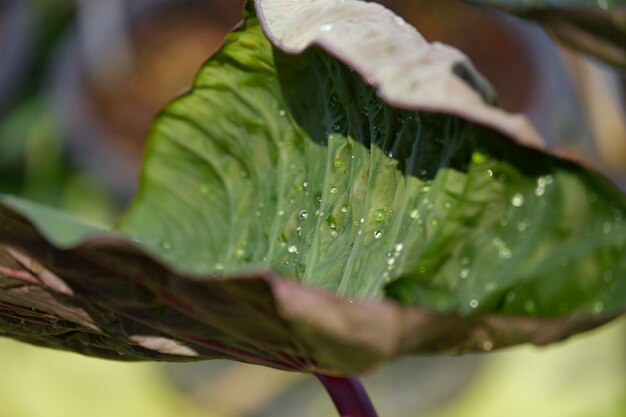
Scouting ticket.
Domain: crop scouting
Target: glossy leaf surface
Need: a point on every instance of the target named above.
(300, 192)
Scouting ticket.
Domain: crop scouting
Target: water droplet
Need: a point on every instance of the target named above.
(378, 234)
(505, 253)
(166, 245)
(489, 173)
(523, 225)
(282, 113)
(473, 303)
(305, 184)
(434, 221)
(303, 215)
(379, 216)
(398, 247)
(327, 27)
(478, 158)
(332, 225)
(334, 190)
(204, 189)
(530, 306)
(281, 213)
(598, 306)
(415, 214)
(292, 249)
(391, 261)
(299, 231)
(448, 204)
(464, 273)
(338, 163)
(219, 266)
(539, 191)
(490, 286)
(504, 222)
(422, 269)
(333, 233)
(344, 209)
(517, 200)
(487, 346)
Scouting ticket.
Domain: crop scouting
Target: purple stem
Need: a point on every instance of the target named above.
(348, 395)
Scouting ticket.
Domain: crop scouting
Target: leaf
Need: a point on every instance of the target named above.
(325, 205)
(597, 28)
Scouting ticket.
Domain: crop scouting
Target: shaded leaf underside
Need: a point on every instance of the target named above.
(293, 164)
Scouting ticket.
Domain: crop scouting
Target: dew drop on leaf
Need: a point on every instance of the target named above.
(292, 249)
(203, 189)
(478, 158)
(473, 303)
(379, 216)
(529, 306)
(523, 225)
(598, 306)
(303, 215)
(517, 200)
(378, 234)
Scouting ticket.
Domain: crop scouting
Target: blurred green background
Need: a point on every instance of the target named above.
(79, 83)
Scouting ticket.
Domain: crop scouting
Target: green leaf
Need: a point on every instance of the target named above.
(597, 27)
(332, 193)
(60, 228)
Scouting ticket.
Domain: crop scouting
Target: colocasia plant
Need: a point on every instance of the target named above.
(333, 192)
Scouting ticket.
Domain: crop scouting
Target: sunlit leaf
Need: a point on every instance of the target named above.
(346, 196)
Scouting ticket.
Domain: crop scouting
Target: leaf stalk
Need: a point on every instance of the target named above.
(348, 395)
